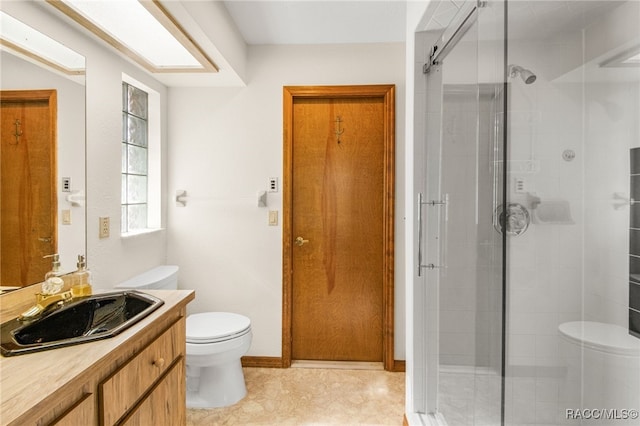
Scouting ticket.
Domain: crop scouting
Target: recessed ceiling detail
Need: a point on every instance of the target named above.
(23, 40)
(142, 30)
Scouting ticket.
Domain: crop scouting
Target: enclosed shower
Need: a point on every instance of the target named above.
(526, 228)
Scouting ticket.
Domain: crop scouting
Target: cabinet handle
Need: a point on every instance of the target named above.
(159, 362)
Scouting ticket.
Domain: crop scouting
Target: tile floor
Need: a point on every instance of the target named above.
(312, 396)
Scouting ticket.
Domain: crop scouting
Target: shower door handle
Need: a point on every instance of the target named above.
(420, 234)
(432, 203)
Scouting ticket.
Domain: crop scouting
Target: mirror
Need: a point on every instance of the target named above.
(59, 174)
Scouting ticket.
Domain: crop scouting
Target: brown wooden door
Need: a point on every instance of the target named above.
(338, 209)
(28, 185)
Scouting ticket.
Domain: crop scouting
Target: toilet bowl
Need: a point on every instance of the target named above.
(216, 341)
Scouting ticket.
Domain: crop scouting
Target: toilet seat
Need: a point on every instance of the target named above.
(214, 327)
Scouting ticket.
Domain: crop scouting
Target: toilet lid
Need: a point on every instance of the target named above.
(210, 327)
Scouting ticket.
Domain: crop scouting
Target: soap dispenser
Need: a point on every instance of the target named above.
(53, 282)
(81, 279)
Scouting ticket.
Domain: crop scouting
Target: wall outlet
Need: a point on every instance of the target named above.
(104, 227)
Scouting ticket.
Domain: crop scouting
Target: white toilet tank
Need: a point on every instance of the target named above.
(164, 277)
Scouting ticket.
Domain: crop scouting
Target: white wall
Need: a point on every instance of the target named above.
(225, 143)
(115, 259)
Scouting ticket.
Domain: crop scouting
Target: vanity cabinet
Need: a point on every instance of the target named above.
(134, 378)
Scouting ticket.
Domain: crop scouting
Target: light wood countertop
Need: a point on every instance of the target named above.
(30, 381)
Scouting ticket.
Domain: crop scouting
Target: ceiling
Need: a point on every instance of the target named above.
(319, 21)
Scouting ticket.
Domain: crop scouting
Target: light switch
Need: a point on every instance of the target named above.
(273, 217)
(66, 217)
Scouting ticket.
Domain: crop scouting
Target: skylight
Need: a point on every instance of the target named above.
(20, 38)
(144, 31)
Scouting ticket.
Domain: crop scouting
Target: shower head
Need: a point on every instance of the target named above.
(526, 75)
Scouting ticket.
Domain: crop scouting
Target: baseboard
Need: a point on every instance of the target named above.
(399, 366)
(262, 361)
(338, 365)
(405, 422)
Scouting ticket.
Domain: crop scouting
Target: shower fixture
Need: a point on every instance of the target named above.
(526, 75)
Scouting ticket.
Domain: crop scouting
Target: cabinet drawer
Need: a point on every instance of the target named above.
(120, 392)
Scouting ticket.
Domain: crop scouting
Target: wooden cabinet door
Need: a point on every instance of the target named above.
(123, 389)
(165, 405)
(82, 413)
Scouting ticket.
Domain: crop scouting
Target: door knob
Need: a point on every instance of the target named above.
(300, 241)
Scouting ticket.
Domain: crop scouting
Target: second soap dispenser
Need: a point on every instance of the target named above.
(53, 282)
(81, 279)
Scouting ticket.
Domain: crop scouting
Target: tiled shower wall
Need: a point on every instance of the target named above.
(634, 246)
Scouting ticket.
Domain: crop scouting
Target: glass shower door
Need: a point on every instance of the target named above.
(573, 126)
(470, 280)
(463, 249)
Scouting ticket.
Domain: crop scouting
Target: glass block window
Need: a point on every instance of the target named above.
(135, 163)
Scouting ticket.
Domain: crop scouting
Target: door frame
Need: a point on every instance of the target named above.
(387, 94)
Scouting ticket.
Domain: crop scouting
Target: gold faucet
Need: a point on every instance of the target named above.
(43, 301)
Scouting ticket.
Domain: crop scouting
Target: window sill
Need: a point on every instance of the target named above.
(141, 232)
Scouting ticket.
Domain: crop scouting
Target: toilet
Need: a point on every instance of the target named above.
(216, 341)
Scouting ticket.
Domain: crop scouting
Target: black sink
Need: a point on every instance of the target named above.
(80, 320)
